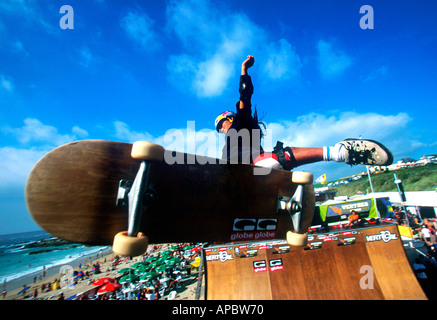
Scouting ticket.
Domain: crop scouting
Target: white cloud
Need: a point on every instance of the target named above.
(191, 140)
(36, 140)
(317, 130)
(79, 132)
(139, 28)
(16, 163)
(282, 61)
(36, 133)
(124, 133)
(28, 11)
(310, 130)
(332, 62)
(212, 76)
(17, 6)
(85, 57)
(182, 70)
(6, 84)
(216, 43)
(193, 22)
(376, 74)
(18, 47)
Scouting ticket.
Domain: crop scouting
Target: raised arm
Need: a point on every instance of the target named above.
(250, 60)
(246, 87)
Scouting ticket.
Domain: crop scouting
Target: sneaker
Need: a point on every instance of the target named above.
(367, 152)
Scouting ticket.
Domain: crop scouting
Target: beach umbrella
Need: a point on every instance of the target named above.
(196, 248)
(154, 264)
(160, 268)
(138, 264)
(128, 278)
(141, 269)
(109, 287)
(167, 253)
(188, 247)
(149, 276)
(170, 262)
(161, 260)
(151, 259)
(104, 280)
(125, 270)
(174, 260)
(169, 266)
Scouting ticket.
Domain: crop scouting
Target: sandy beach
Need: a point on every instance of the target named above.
(187, 291)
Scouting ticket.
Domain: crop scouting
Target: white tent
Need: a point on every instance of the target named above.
(414, 198)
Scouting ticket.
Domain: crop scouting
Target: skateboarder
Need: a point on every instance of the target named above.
(243, 139)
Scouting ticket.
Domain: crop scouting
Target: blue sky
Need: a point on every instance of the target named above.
(134, 70)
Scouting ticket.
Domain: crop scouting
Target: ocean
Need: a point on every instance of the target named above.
(28, 253)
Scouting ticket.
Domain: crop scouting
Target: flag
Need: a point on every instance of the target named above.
(322, 179)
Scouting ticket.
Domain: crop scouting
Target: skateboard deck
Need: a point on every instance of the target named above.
(72, 193)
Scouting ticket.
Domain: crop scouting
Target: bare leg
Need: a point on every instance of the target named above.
(350, 151)
(306, 155)
(297, 157)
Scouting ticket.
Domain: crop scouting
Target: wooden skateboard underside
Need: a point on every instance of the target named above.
(72, 192)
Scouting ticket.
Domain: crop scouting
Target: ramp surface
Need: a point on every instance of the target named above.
(349, 264)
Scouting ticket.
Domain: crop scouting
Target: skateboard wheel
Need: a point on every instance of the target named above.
(302, 177)
(125, 245)
(147, 151)
(297, 239)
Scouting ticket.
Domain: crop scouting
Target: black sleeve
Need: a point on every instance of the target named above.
(243, 118)
(245, 88)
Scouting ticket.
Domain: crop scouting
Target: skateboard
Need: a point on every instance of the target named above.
(128, 195)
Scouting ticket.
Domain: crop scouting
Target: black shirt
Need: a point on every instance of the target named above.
(243, 139)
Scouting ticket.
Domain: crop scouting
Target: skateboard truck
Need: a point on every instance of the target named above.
(294, 205)
(137, 196)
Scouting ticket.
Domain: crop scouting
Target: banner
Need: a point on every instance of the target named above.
(322, 179)
(365, 208)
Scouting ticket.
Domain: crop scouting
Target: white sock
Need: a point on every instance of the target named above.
(335, 153)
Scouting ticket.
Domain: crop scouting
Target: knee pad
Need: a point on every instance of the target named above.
(267, 160)
(285, 156)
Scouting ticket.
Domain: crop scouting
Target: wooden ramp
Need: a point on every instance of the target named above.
(349, 264)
